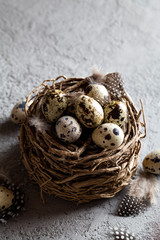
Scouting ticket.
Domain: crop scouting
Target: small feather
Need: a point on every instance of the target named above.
(131, 206)
(121, 233)
(142, 191)
(39, 124)
(144, 186)
(98, 76)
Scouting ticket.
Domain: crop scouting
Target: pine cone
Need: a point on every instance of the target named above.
(131, 206)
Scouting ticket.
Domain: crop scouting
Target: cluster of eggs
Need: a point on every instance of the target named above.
(90, 110)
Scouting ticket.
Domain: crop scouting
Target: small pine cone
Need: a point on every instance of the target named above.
(131, 206)
(18, 202)
(121, 233)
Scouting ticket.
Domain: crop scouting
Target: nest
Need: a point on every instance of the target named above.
(80, 171)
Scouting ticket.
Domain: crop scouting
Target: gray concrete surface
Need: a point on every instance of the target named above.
(43, 39)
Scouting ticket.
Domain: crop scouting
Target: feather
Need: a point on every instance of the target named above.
(97, 76)
(38, 123)
(142, 192)
(121, 233)
(131, 206)
(144, 187)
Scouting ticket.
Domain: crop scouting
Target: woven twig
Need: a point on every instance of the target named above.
(79, 172)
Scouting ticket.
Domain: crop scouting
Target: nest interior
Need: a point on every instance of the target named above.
(80, 171)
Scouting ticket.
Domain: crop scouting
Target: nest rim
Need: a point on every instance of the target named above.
(64, 171)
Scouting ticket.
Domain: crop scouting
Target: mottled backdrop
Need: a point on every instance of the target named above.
(46, 38)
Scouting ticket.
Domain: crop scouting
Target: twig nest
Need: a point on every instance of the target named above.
(64, 150)
(108, 135)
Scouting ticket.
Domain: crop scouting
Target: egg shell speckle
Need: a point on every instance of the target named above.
(98, 92)
(151, 162)
(115, 112)
(6, 198)
(18, 114)
(54, 103)
(108, 135)
(88, 111)
(68, 129)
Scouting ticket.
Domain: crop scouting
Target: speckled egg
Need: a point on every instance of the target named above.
(54, 103)
(18, 114)
(151, 162)
(98, 92)
(68, 129)
(88, 111)
(115, 112)
(11, 201)
(6, 198)
(108, 135)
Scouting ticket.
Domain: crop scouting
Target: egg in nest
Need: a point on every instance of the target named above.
(115, 112)
(54, 103)
(108, 135)
(68, 129)
(151, 162)
(98, 92)
(88, 111)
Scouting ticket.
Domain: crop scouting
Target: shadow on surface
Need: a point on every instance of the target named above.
(8, 127)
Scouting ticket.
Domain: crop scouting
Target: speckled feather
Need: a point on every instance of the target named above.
(142, 192)
(120, 233)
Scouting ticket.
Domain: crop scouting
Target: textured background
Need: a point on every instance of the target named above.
(44, 39)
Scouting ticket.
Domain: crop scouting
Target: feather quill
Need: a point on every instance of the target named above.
(141, 193)
(39, 123)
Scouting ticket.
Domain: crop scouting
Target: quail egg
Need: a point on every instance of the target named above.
(6, 198)
(98, 92)
(108, 135)
(115, 112)
(88, 111)
(68, 129)
(151, 162)
(18, 114)
(54, 103)
(11, 201)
